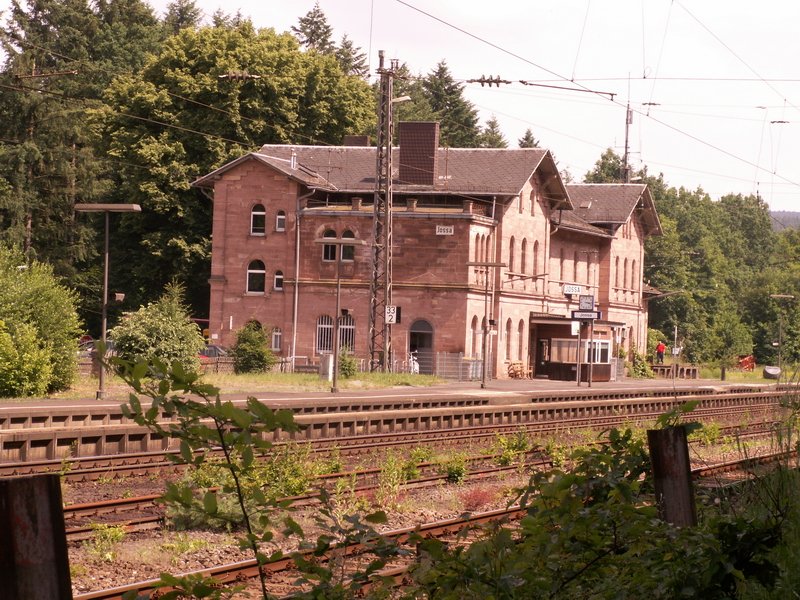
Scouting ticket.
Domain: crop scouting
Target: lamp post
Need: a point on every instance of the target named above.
(780, 331)
(487, 266)
(339, 243)
(107, 209)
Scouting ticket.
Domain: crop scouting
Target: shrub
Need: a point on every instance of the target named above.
(347, 364)
(25, 365)
(639, 367)
(40, 313)
(160, 331)
(251, 353)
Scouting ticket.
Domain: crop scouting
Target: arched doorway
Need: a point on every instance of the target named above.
(420, 340)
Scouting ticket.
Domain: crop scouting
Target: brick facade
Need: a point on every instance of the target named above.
(505, 206)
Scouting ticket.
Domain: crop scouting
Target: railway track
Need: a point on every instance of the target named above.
(236, 572)
(55, 441)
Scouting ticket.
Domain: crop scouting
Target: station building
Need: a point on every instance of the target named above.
(559, 244)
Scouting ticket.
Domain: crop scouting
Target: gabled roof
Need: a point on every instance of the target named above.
(567, 219)
(482, 171)
(614, 203)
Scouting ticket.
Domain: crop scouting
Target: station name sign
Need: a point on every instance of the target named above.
(570, 289)
(445, 230)
(584, 315)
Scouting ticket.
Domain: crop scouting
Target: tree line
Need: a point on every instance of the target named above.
(106, 102)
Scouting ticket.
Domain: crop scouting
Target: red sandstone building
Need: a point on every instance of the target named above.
(273, 210)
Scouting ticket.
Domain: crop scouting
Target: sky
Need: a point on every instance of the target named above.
(713, 85)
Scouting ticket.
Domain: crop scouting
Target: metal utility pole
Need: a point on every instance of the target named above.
(626, 170)
(380, 333)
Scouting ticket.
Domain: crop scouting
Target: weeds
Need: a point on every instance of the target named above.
(511, 448)
(454, 467)
(475, 498)
(104, 541)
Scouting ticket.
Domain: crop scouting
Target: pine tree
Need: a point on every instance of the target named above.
(314, 32)
(182, 14)
(457, 116)
(352, 60)
(527, 140)
(491, 136)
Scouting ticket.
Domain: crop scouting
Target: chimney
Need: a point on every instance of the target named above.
(419, 141)
(293, 162)
(356, 140)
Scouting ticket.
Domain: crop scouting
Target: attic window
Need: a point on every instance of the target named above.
(586, 203)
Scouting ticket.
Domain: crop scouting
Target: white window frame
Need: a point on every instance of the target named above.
(277, 339)
(262, 214)
(255, 271)
(323, 342)
(280, 221)
(277, 281)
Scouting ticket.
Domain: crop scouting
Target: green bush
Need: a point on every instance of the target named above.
(639, 367)
(348, 366)
(251, 352)
(36, 308)
(25, 365)
(160, 331)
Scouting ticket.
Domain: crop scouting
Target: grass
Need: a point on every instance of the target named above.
(85, 386)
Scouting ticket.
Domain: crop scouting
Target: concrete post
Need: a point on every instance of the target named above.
(669, 454)
(34, 564)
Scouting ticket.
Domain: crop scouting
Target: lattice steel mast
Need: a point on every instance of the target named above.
(380, 335)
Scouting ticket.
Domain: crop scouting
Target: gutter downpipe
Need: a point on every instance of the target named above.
(296, 298)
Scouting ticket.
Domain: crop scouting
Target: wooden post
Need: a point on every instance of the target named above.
(669, 454)
(34, 564)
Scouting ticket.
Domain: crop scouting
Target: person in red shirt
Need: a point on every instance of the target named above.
(660, 352)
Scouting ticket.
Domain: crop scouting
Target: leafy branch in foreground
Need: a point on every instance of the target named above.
(183, 408)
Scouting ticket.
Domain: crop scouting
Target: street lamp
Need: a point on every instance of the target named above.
(339, 243)
(780, 331)
(486, 265)
(105, 208)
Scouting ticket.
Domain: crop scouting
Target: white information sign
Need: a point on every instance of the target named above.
(391, 314)
(445, 230)
(572, 289)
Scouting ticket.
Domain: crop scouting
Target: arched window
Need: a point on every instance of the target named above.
(347, 333)
(616, 272)
(280, 221)
(561, 265)
(520, 338)
(634, 276)
(277, 339)
(258, 220)
(486, 254)
(508, 339)
(329, 250)
(324, 334)
(477, 248)
(575, 260)
(278, 282)
(523, 256)
(535, 265)
(348, 252)
(533, 203)
(511, 251)
(625, 275)
(473, 329)
(256, 277)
